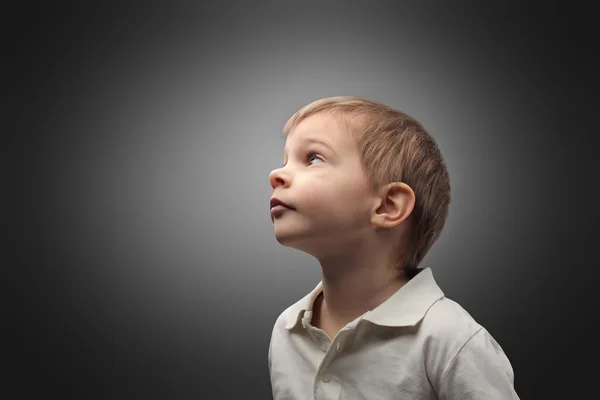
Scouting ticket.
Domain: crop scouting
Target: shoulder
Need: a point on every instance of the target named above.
(448, 322)
(278, 332)
(281, 342)
(444, 330)
(454, 340)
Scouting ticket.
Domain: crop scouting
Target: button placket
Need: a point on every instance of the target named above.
(324, 346)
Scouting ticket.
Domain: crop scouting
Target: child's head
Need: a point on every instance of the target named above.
(379, 158)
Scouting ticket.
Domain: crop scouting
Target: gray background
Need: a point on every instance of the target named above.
(145, 136)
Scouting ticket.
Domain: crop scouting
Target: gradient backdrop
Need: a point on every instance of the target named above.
(142, 220)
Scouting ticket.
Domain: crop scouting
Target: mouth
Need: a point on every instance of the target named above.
(278, 204)
(279, 207)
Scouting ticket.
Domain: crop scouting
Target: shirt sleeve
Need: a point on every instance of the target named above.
(480, 370)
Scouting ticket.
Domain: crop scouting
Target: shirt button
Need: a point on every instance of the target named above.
(326, 378)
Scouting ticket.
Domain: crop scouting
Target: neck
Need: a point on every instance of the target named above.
(357, 282)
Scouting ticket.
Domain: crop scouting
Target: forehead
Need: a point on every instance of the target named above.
(323, 128)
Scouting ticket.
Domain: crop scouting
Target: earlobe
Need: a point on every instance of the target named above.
(395, 205)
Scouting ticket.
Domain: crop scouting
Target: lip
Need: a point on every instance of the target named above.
(278, 210)
(275, 202)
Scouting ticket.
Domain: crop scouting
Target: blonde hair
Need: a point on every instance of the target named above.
(394, 147)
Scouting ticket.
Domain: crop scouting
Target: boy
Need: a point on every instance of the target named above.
(364, 189)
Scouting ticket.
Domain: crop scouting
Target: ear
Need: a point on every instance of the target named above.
(394, 205)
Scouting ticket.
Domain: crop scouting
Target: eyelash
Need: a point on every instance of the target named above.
(311, 154)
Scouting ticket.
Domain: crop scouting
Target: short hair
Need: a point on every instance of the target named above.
(394, 147)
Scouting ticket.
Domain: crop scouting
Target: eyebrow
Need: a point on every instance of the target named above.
(317, 141)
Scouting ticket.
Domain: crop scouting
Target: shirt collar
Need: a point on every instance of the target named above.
(296, 312)
(406, 307)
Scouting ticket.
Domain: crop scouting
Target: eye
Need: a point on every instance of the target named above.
(312, 156)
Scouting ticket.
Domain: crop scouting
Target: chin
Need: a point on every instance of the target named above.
(290, 239)
(286, 239)
(310, 245)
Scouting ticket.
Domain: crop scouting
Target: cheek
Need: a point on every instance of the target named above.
(317, 198)
(337, 200)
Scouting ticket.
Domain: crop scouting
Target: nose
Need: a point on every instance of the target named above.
(277, 178)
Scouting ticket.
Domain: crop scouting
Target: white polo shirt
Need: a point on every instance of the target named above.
(418, 344)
